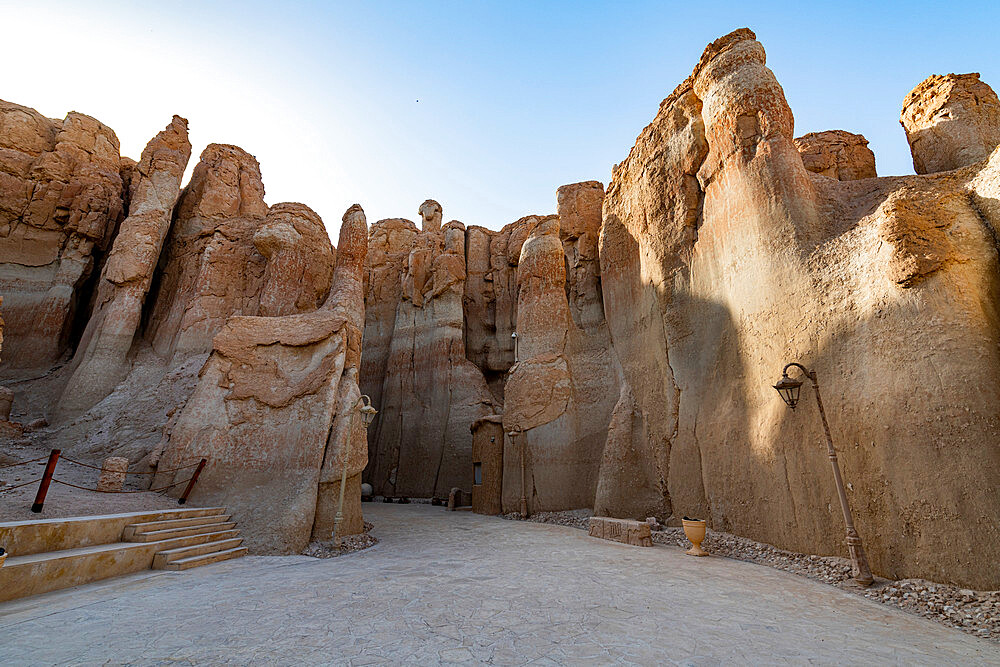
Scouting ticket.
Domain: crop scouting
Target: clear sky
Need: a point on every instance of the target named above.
(485, 106)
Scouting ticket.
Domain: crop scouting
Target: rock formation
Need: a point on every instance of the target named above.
(431, 392)
(837, 154)
(60, 201)
(388, 249)
(491, 297)
(101, 359)
(300, 260)
(271, 413)
(560, 393)
(651, 322)
(211, 269)
(722, 258)
(951, 121)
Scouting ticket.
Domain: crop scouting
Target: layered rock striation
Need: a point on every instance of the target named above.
(60, 204)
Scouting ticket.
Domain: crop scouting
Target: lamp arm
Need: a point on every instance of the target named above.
(808, 373)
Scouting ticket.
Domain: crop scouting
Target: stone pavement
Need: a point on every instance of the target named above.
(456, 587)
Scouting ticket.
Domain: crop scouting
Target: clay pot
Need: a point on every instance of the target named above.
(3, 557)
(694, 529)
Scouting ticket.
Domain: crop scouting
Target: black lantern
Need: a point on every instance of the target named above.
(789, 390)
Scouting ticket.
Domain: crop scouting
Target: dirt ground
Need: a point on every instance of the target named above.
(61, 500)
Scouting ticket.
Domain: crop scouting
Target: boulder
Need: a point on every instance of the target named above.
(951, 121)
(837, 154)
(300, 260)
(113, 472)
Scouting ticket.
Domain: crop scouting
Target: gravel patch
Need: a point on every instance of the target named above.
(348, 544)
(64, 501)
(974, 612)
(572, 518)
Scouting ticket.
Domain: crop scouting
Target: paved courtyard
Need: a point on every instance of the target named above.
(458, 587)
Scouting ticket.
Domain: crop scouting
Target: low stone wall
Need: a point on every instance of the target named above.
(625, 531)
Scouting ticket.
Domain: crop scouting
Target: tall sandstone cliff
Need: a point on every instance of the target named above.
(723, 258)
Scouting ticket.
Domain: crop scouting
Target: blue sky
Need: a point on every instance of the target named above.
(515, 98)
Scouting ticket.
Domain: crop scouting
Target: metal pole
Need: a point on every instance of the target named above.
(862, 573)
(43, 486)
(194, 478)
(343, 479)
(524, 485)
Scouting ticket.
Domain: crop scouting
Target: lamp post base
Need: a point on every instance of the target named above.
(859, 560)
(336, 530)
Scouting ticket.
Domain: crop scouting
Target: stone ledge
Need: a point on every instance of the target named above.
(625, 531)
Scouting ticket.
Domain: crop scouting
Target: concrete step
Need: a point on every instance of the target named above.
(164, 558)
(170, 533)
(150, 526)
(190, 540)
(21, 538)
(36, 573)
(205, 559)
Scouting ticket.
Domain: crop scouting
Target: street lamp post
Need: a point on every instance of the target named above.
(364, 405)
(514, 336)
(789, 388)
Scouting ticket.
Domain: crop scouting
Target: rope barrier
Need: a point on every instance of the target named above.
(17, 486)
(127, 472)
(85, 465)
(84, 488)
(21, 463)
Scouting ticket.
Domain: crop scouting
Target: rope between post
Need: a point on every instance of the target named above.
(127, 472)
(11, 488)
(21, 463)
(84, 488)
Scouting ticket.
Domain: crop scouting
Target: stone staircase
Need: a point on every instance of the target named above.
(189, 542)
(49, 554)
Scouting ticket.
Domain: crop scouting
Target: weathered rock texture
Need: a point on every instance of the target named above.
(113, 473)
(211, 269)
(453, 297)
(300, 260)
(627, 531)
(206, 277)
(652, 321)
(101, 359)
(431, 392)
(272, 413)
(560, 394)
(60, 202)
(722, 258)
(951, 121)
(837, 154)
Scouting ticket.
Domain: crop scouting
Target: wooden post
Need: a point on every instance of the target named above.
(43, 486)
(194, 478)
